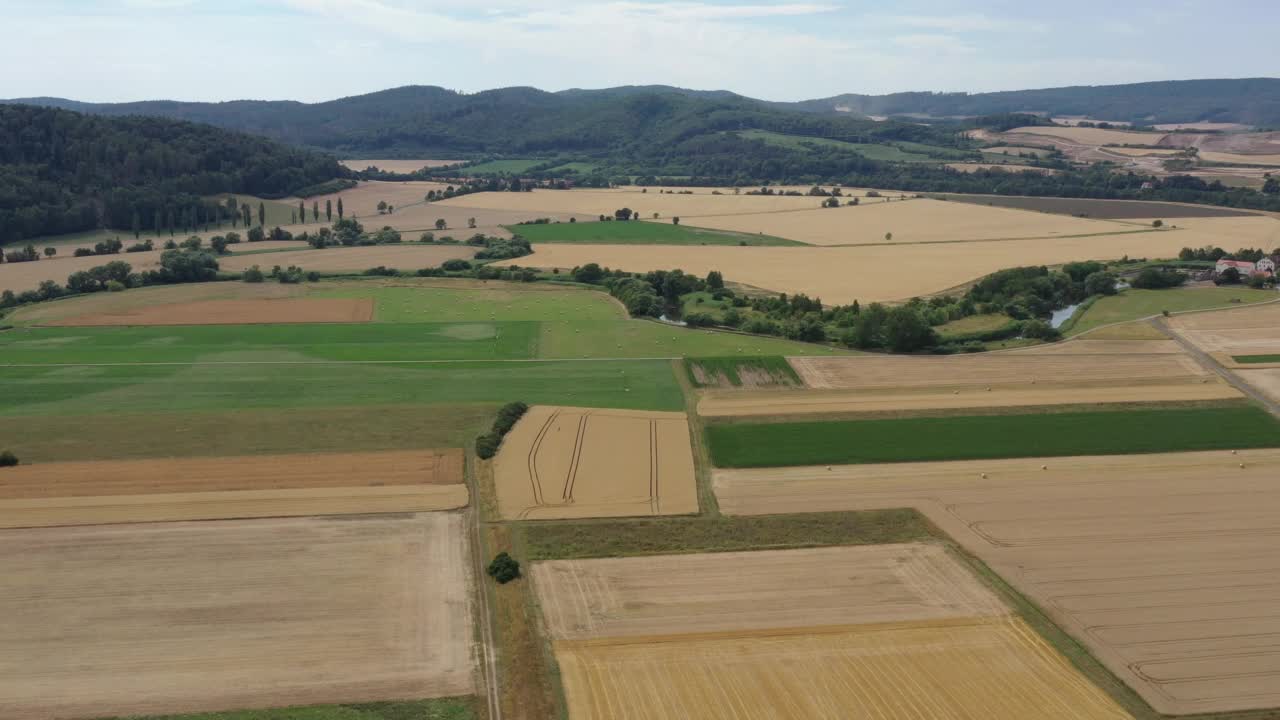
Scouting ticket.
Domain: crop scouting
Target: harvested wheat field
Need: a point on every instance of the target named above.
(398, 166)
(1163, 565)
(406, 257)
(803, 402)
(1221, 157)
(130, 491)
(1012, 369)
(1265, 380)
(561, 462)
(1090, 136)
(994, 669)
(750, 591)
(362, 200)
(844, 274)
(23, 276)
(123, 620)
(236, 312)
(918, 220)
(589, 204)
(1253, 330)
(416, 219)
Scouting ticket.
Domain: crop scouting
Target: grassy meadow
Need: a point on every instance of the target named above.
(1133, 304)
(924, 439)
(639, 233)
(897, 152)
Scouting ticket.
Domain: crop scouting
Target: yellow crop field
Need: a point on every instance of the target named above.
(995, 669)
(589, 204)
(916, 220)
(407, 257)
(168, 618)
(1091, 136)
(749, 591)
(1163, 565)
(570, 462)
(1241, 159)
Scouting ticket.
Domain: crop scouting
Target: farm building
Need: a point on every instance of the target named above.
(1244, 267)
(1267, 265)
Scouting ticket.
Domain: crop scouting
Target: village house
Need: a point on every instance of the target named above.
(1244, 267)
(1267, 265)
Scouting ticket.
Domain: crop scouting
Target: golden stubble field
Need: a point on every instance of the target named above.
(1163, 565)
(901, 632)
(1238, 331)
(561, 462)
(590, 204)
(125, 491)
(405, 257)
(123, 620)
(896, 272)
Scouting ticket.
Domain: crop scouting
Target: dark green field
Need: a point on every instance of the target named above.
(1256, 359)
(718, 533)
(639, 233)
(991, 436)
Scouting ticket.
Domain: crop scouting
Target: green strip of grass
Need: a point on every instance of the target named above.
(440, 709)
(719, 533)
(993, 436)
(731, 368)
(1256, 359)
(639, 233)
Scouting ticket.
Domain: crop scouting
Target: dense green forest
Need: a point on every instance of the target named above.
(64, 172)
(1251, 101)
(418, 121)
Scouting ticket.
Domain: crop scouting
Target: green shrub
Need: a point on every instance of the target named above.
(115, 286)
(504, 568)
(8, 459)
(487, 445)
(253, 275)
(455, 265)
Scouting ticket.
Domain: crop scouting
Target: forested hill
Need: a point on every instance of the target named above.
(419, 120)
(1251, 101)
(64, 171)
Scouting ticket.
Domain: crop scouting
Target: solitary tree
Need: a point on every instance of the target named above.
(315, 210)
(339, 208)
(503, 569)
(471, 223)
(137, 224)
(1157, 223)
(248, 215)
(382, 206)
(262, 213)
(50, 251)
(302, 211)
(328, 211)
(675, 220)
(888, 237)
(8, 459)
(441, 224)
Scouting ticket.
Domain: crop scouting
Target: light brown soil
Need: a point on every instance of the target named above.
(947, 670)
(125, 620)
(1238, 331)
(142, 298)
(740, 404)
(403, 257)
(1266, 380)
(237, 312)
(1012, 369)
(749, 591)
(1163, 565)
(122, 491)
(570, 462)
(1090, 136)
(912, 221)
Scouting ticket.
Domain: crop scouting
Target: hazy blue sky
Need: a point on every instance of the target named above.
(118, 50)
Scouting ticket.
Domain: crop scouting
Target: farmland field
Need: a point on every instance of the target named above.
(197, 616)
(1238, 331)
(902, 614)
(895, 152)
(95, 493)
(1091, 136)
(1103, 209)
(1132, 304)
(235, 312)
(501, 166)
(568, 462)
(991, 436)
(589, 204)
(638, 233)
(398, 166)
(1162, 565)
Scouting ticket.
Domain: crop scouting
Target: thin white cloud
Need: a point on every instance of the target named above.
(933, 43)
(965, 23)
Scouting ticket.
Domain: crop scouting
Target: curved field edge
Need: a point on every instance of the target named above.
(970, 437)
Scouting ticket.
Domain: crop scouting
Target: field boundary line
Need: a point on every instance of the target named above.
(336, 362)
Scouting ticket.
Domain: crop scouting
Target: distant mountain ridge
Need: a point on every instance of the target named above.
(422, 118)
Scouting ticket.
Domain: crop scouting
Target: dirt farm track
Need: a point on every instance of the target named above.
(123, 620)
(1163, 565)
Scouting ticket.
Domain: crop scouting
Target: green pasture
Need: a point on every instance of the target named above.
(730, 369)
(1133, 304)
(496, 167)
(991, 436)
(1256, 359)
(659, 232)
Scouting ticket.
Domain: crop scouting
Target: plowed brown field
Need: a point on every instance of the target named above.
(748, 591)
(123, 491)
(126, 620)
(236, 312)
(1163, 565)
(569, 462)
(994, 669)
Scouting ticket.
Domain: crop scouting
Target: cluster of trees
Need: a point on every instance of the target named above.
(63, 172)
(1213, 254)
(488, 443)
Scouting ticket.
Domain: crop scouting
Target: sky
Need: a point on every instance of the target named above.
(316, 50)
